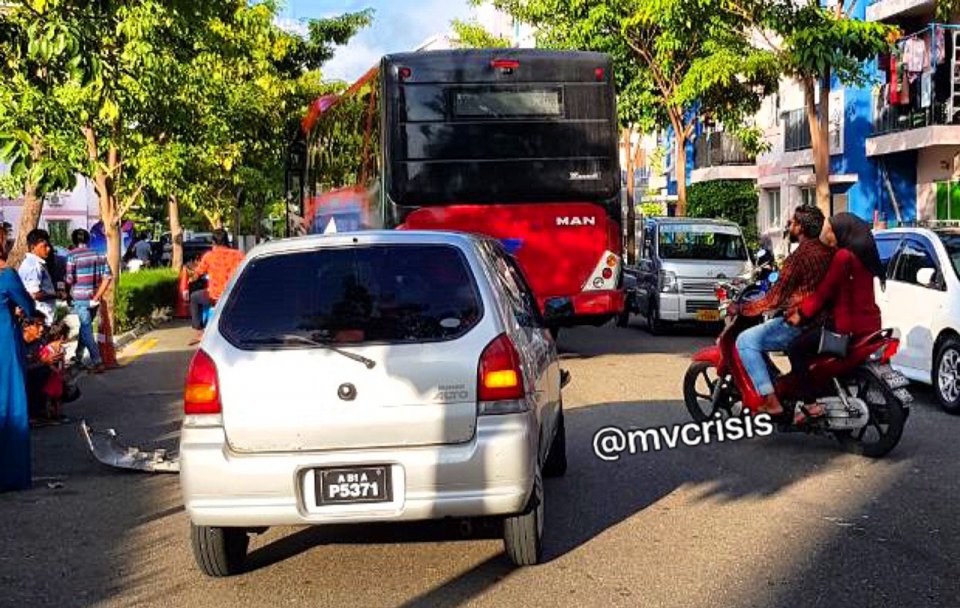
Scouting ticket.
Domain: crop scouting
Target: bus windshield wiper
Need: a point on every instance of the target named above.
(284, 338)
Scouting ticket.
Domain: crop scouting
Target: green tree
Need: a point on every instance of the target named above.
(813, 45)
(677, 61)
(40, 152)
(472, 35)
(734, 200)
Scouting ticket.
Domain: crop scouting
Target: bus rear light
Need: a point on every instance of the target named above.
(505, 64)
(607, 274)
(599, 74)
(405, 73)
(201, 395)
(612, 260)
(500, 377)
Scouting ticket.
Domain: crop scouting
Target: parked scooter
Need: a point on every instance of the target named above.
(865, 400)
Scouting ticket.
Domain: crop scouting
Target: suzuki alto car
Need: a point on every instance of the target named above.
(371, 377)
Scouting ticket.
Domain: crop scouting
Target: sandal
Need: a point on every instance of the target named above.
(809, 412)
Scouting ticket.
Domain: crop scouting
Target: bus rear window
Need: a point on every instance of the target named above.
(499, 103)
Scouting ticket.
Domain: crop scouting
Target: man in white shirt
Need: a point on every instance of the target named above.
(35, 276)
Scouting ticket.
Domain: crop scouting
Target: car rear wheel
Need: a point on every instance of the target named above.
(556, 464)
(946, 375)
(219, 551)
(523, 533)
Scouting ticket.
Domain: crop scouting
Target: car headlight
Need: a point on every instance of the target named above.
(668, 282)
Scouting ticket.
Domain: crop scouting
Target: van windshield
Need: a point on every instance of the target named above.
(693, 242)
(352, 295)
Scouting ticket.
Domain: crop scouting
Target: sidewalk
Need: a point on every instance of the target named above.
(80, 543)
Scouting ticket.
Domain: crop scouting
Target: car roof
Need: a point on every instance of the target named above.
(461, 240)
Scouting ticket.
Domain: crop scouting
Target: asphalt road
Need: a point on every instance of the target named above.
(782, 521)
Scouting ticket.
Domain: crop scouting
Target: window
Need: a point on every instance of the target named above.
(887, 247)
(774, 210)
(914, 256)
(701, 242)
(808, 196)
(386, 294)
(518, 291)
(500, 103)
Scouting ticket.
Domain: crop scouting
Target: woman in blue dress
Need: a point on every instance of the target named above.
(14, 420)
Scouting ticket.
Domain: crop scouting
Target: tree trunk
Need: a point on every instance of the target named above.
(237, 209)
(258, 221)
(29, 220)
(176, 233)
(680, 171)
(819, 137)
(109, 212)
(631, 197)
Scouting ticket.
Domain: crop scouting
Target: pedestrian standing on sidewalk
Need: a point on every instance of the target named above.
(14, 419)
(88, 276)
(218, 264)
(35, 275)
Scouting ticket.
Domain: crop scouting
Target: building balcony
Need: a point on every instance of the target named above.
(898, 129)
(719, 156)
(884, 10)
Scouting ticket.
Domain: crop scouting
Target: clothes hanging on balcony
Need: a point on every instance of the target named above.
(913, 52)
(893, 81)
(939, 40)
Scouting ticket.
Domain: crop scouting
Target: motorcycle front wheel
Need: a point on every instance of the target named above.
(699, 384)
(888, 416)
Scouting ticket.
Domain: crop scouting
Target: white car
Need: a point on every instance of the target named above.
(371, 377)
(922, 301)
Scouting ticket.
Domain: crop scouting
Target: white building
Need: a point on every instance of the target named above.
(63, 212)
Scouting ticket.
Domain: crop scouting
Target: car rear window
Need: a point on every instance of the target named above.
(352, 295)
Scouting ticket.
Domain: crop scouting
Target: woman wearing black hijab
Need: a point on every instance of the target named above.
(844, 302)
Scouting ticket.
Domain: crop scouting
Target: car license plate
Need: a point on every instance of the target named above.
(351, 485)
(708, 315)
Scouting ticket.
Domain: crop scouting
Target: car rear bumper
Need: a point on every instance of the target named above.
(682, 307)
(490, 475)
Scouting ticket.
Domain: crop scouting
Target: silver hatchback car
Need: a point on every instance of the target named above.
(373, 376)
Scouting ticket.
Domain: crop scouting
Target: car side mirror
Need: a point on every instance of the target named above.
(925, 276)
(557, 309)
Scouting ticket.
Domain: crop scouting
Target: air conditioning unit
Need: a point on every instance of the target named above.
(54, 200)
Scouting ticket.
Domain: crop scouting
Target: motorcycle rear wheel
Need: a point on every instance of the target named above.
(887, 416)
(698, 385)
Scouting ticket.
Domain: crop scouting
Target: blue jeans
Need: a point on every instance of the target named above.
(774, 335)
(86, 340)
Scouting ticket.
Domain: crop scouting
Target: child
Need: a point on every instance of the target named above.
(53, 350)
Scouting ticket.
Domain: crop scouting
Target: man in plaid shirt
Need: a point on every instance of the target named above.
(88, 276)
(801, 273)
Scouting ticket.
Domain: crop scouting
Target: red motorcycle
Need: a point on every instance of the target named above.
(865, 400)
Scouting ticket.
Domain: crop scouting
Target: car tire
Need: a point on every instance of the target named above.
(219, 551)
(946, 372)
(556, 464)
(523, 533)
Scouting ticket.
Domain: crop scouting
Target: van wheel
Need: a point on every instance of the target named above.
(556, 464)
(523, 533)
(219, 551)
(656, 325)
(946, 375)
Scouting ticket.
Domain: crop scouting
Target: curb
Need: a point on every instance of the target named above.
(159, 318)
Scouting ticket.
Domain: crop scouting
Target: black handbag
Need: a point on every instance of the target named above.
(832, 343)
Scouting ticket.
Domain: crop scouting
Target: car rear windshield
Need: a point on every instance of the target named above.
(352, 295)
(692, 242)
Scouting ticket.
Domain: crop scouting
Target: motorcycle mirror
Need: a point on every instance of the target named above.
(774, 277)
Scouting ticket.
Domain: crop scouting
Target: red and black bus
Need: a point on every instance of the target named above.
(517, 144)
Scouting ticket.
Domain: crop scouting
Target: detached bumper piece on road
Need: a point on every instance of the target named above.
(107, 449)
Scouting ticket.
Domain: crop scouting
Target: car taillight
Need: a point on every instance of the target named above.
(500, 377)
(721, 293)
(201, 395)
